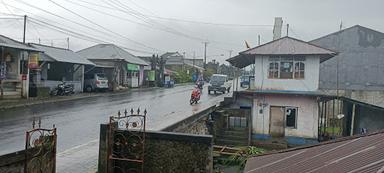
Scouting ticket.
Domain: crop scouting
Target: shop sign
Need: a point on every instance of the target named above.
(33, 61)
(151, 75)
(133, 67)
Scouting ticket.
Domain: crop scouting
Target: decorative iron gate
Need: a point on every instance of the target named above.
(126, 142)
(40, 149)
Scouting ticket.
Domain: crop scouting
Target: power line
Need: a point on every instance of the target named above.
(75, 22)
(90, 21)
(78, 35)
(190, 21)
(116, 6)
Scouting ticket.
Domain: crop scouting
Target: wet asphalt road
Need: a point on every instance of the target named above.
(78, 121)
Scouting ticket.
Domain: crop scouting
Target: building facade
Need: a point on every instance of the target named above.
(284, 95)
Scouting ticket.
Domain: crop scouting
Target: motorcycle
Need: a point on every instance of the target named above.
(195, 96)
(63, 89)
(200, 84)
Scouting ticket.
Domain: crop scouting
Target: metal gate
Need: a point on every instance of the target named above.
(126, 142)
(40, 149)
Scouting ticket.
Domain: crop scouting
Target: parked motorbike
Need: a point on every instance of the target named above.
(195, 96)
(63, 89)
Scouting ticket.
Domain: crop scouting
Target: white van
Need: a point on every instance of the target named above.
(219, 82)
(95, 82)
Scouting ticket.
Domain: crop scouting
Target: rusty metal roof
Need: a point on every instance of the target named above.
(351, 154)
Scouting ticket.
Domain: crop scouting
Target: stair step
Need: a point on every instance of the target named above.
(233, 137)
(229, 142)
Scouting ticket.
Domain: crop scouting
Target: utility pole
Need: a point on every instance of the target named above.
(183, 61)
(205, 54)
(258, 40)
(68, 42)
(39, 41)
(194, 56)
(23, 69)
(25, 27)
(287, 29)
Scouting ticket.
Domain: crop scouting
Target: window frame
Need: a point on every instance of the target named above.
(279, 60)
(286, 116)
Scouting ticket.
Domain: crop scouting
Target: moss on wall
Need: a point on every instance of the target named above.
(167, 156)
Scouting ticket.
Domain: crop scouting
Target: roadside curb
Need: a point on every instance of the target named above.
(61, 99)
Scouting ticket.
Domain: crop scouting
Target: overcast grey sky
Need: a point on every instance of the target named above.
(159, 25)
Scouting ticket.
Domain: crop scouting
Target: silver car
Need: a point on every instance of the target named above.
(95, 82)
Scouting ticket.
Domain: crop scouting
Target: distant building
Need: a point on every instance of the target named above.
(57, 65)
(175, 61)
(358, 68)
(127, 69)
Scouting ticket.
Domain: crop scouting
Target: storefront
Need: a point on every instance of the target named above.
(133, 75)
(14, 58)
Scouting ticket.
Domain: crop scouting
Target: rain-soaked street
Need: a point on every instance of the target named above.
(78, 121)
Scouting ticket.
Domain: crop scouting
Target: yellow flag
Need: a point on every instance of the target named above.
(246, 44)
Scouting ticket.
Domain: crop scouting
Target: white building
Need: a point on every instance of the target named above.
(283, 97)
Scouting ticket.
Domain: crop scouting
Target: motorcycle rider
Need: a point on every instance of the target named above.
(195, 96)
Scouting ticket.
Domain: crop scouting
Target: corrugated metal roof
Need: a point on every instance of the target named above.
(351, 154)
(288, 46)
(62, 55)
(110, 51)
(282, 46)
(8, 42)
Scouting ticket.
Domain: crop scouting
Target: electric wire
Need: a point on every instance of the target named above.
(90, 21)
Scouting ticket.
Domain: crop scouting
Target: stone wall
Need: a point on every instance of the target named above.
(168, 152)
(175, 152)
(12, 162)
(195, 124)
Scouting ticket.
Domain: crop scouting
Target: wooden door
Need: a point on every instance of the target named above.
(276, 122)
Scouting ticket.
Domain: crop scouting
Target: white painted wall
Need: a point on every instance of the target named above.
(307, 117)
(309, 83)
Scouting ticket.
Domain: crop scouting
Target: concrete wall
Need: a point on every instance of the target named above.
(368, 96)
(307, 116)
(195, 124)
(360, 59)
(309, 83)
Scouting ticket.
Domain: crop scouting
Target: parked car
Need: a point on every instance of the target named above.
(95, 82)
(219, 82)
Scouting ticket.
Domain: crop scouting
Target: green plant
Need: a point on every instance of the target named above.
(240, 158)
(182, 77)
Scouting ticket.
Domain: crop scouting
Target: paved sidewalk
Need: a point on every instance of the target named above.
(14, 103)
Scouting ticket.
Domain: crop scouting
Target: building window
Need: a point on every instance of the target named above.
(290, 117)
(299, 70)
(273, 70)
(237, 122)
(286, 68)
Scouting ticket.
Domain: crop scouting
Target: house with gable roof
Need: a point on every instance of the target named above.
(283, 98)
(121, 67)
